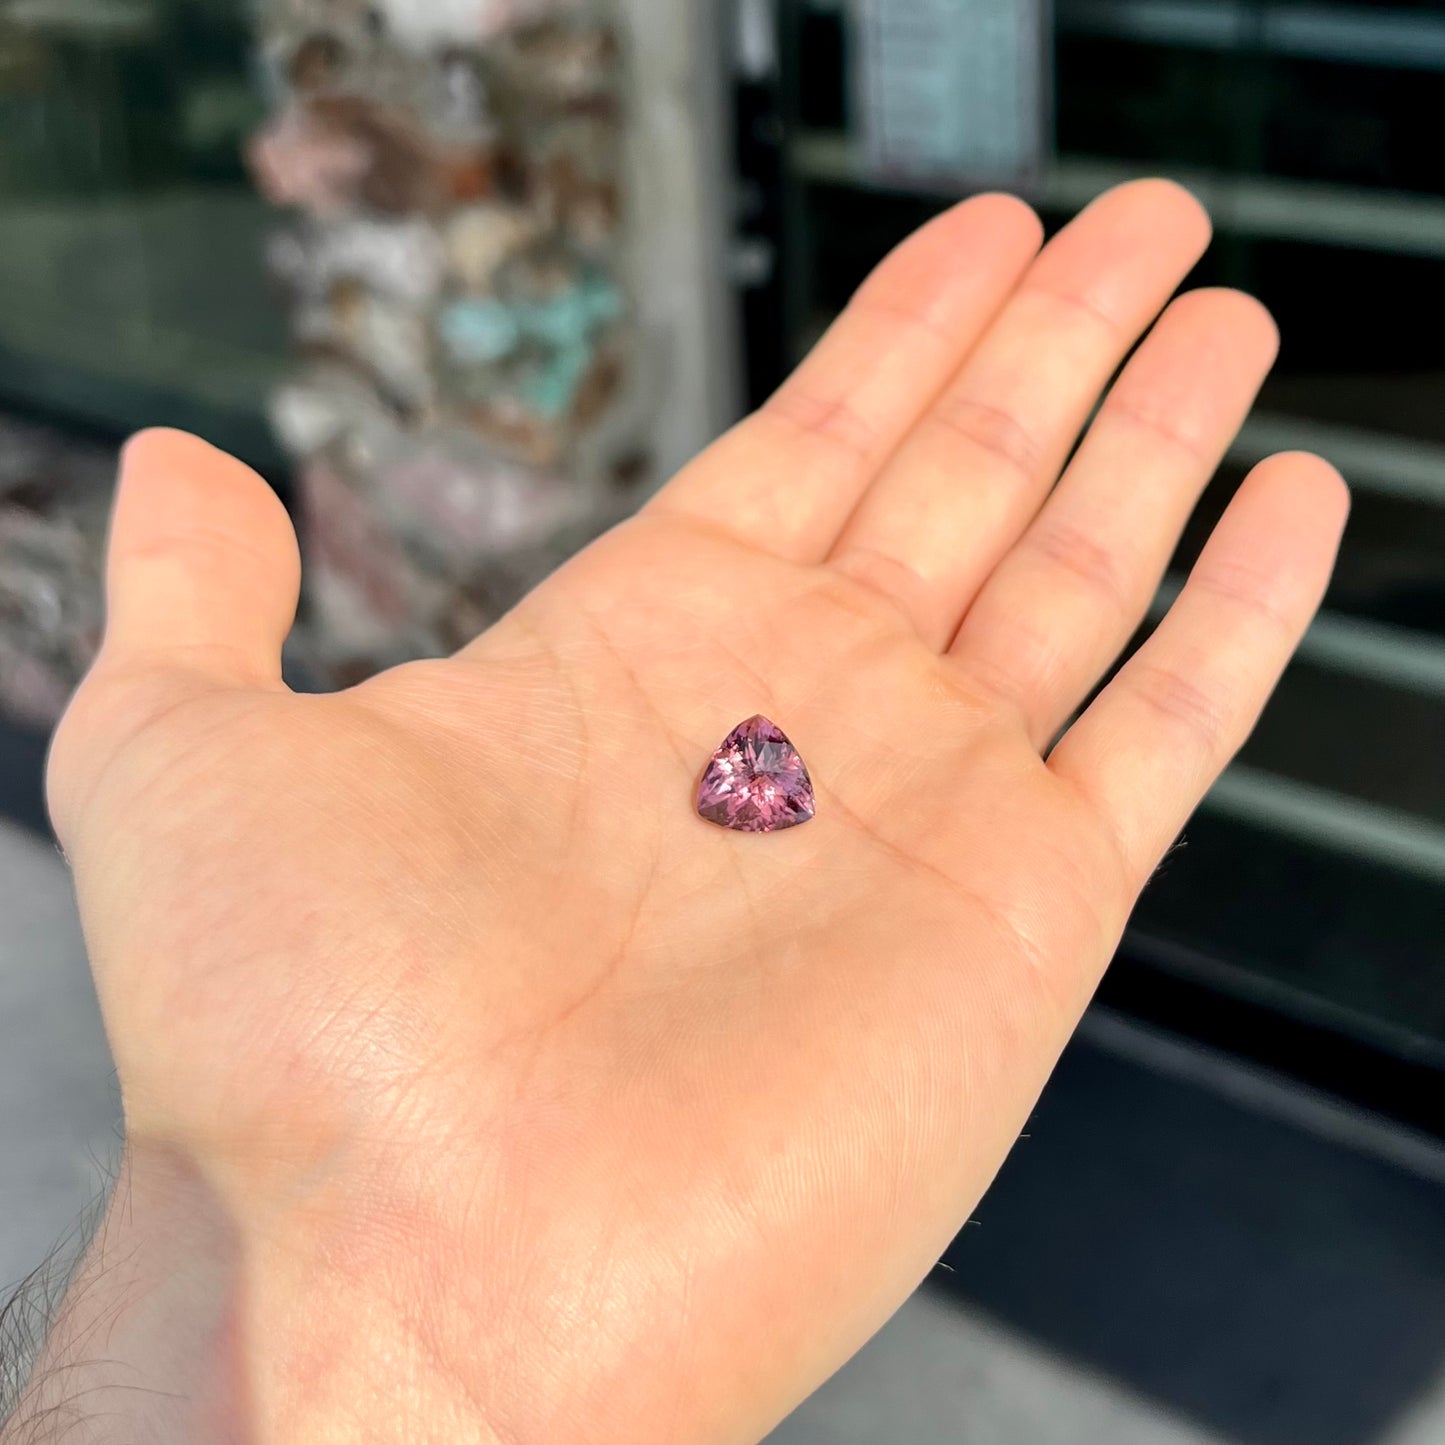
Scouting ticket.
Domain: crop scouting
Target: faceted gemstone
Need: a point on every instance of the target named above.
(756, 782)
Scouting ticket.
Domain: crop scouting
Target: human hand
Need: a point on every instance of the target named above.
(540, 1110)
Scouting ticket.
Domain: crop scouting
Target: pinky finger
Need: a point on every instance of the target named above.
(1158, 737)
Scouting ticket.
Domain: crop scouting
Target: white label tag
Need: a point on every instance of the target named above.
(953, 87)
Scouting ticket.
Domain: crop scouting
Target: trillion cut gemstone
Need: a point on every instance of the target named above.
(756, 782)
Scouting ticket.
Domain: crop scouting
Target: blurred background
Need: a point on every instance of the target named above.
(466, 279)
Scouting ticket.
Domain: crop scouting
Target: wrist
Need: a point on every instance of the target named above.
(143, 1343)
(192, 1321)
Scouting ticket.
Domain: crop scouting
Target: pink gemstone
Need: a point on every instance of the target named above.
(756, 782)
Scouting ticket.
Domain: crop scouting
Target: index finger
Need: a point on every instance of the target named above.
(788, 478)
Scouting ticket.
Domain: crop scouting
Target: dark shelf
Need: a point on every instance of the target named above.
(1244, 1271)
(22, 776)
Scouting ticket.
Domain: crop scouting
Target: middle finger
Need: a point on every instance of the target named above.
(970, 477)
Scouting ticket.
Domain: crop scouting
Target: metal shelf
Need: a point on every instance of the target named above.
(1331, 820)
(1393, 222)
(1392, 656)
(1392, 466)
(1350, 35)
(1387, 655)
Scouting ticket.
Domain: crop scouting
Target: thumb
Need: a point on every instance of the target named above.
(202, 583)
(204, 571)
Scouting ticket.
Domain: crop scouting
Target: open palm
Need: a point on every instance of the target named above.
(601, 1123)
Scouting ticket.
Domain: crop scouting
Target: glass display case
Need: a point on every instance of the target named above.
(135, 293)
(1303, 918)
(131, 240)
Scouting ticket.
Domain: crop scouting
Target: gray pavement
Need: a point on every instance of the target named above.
(59, 1113)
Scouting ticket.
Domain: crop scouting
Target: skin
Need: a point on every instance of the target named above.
(475, 1089)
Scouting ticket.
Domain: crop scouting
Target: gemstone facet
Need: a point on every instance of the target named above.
(756, 782)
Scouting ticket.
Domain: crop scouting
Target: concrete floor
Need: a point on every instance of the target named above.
(59, 1114)
(941, 1374)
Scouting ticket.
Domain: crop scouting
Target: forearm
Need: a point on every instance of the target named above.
(181, 1326)
(144, 1345)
